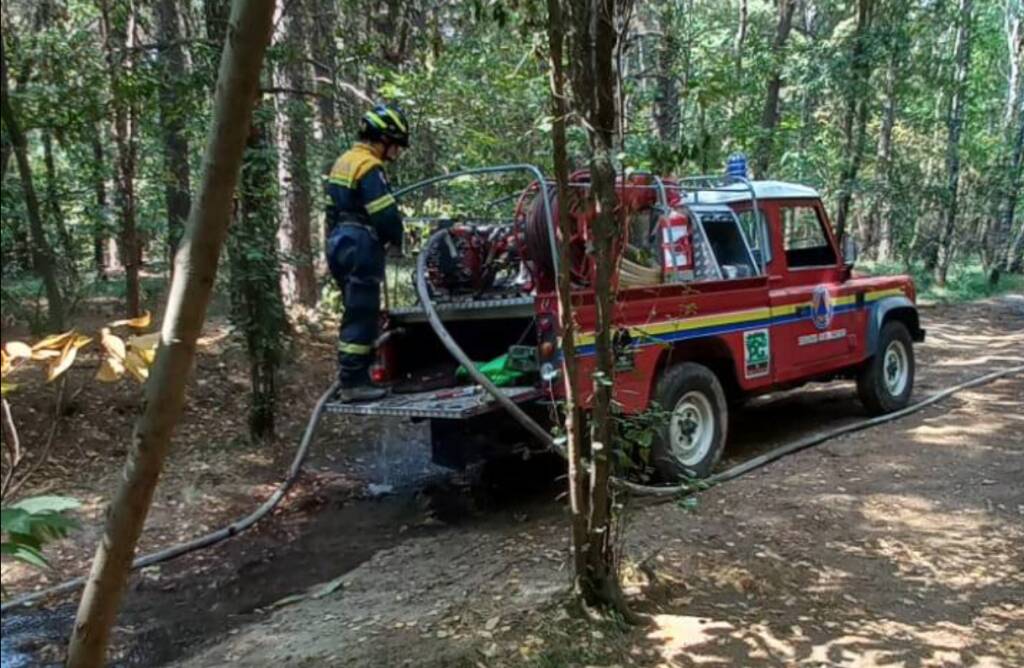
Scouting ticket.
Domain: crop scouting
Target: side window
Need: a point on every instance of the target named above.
(751, 225)
(804, 238)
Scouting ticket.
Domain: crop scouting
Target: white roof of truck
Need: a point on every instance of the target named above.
(737, 192)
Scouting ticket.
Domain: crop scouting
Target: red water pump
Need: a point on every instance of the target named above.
(472, 259)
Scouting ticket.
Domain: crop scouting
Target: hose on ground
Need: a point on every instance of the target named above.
(233, 529)
(688, 487)
(814, 439)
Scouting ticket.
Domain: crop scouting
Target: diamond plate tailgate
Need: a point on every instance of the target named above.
(452, 403)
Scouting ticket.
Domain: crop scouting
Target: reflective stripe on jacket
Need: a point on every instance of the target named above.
(358, 190)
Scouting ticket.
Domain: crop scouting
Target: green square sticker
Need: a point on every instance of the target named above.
(756, 353)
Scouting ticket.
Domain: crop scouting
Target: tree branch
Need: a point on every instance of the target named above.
(50, 439)
(12, 446)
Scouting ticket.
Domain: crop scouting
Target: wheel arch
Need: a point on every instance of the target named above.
(712, 352)
(899, 309)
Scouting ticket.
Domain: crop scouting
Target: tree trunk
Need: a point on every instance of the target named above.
(298, 278)
(770, 112)
(1015, 259)
(172, 122)
(1004, 249)
(99, 224)
(954, 128)
(1008, 170)
(56, 215)
(880, 231)
(924, 240)
(741, 37)
(39, 18)
(191, 287)
(6, 151)
(594, 41)
(325, 73)
(255, 272)
(215, 18)
(119, 36)
(666, 96)
(43, 260)
(855, 120)
(325, 65)
(578, 479)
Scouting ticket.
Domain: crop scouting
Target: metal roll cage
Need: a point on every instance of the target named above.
(497, 169)
(705, 183)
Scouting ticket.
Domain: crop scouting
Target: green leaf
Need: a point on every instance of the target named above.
(19, 538)
(24, 553)
(15, 520)
(42, 504)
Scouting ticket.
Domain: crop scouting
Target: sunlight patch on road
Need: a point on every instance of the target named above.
(679, 634)
(689, 640)
(931, 547)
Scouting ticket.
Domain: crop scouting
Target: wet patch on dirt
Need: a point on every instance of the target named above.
(354, 503)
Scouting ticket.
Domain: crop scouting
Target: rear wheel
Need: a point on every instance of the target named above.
(692, 438)
(886, 381)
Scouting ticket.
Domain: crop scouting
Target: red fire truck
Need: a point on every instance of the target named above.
(725, 289)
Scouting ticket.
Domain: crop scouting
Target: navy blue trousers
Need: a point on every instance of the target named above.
(356, 260)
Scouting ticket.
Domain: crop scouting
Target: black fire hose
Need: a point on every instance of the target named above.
(815, 439)
(687, 487)
(233, 529)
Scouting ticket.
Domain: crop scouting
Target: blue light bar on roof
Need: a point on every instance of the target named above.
(736, 165)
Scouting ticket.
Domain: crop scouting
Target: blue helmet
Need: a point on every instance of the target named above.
(385, 123)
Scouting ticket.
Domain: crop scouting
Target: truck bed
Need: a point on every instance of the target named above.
(451, 403)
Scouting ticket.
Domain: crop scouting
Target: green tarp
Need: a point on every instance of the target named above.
(497, 371)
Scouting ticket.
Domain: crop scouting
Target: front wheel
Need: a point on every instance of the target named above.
(886, 381)
(690, 441)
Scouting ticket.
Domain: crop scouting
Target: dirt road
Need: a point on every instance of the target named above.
(901, 545)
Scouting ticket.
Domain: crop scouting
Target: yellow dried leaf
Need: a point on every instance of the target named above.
(17, 349)
(62, 363)
(112, 344)
(43, 355)
(142, 322)
(110, 371)
(145, 342)
(136, 365)
(82, 341)
(55, 342)
(5, 388)
(145, 346)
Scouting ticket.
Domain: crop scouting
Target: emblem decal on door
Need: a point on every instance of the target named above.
(821, 308)
(757, 353)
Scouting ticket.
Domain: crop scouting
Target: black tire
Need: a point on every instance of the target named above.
(886, 381)
(690, 390)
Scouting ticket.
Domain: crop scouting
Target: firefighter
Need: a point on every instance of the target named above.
(364, 225)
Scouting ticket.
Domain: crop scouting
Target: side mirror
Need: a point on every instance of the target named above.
(849, 250)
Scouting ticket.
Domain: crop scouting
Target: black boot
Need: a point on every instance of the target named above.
(360, 393)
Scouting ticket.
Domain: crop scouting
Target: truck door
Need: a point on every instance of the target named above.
(811, 326)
